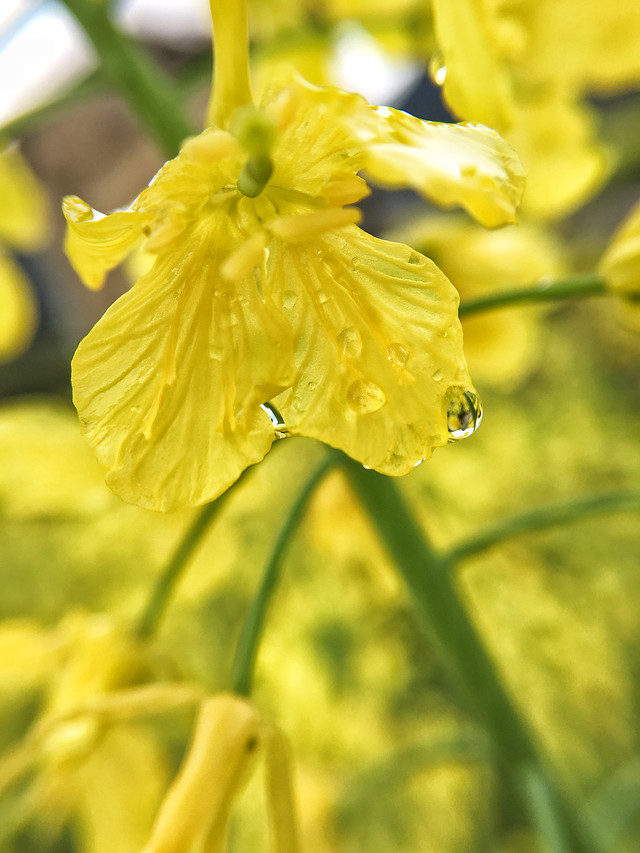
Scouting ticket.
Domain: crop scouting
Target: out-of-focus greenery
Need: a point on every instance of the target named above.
(388, 757)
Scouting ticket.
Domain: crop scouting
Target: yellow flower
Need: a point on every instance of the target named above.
(86, 758)
(620, 264)
(524, 68)
(264, 290)
(23, 226)
(228, 738)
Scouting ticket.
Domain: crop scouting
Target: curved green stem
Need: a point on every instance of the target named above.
(469, 664)
(248, 642)
(166, 583)
(153, 96)
(539, 519)
(572, 287)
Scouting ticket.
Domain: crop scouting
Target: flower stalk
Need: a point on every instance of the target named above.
(572, 287)
(231, 84)
(469, 665)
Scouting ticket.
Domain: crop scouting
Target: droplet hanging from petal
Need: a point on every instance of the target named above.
(464, 414)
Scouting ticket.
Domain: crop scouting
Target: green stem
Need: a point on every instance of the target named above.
(153, 96)
(573, 287)
(166, 583)
(249, 640)
(469, 664)
(539, 519)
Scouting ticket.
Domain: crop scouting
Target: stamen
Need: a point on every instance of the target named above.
(297, 229)
(245, 258)
(209, 147)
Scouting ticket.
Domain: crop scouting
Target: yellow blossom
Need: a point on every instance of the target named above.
(228, 738)
(23, 226)
(620, 264)
(85, 756)
(265, 291)
(524, 68)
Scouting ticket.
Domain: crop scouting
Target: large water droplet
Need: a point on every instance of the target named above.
(280, 428)
(464, 414)
(365, 397)
(437, 68)
(350, 342)
(397, 355)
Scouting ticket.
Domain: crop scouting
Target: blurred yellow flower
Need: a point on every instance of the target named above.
(229, 736)
(86, 758)
(620, 264)
(501, 347)
(23, 226)
(265, 291)
(524, 68)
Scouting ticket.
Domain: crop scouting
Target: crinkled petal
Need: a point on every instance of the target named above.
(467, 165)
(168, 384)
(378, 347)
(96, 243)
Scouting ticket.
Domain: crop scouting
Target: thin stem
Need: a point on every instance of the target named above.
(231, 84)
(151, 93)
(249, 640)
(469, 664)
(539, 519)
(573, 287)
(168, 579)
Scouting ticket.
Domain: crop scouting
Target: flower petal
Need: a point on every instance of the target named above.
(96, 243)
(18, 310)
(168, 384)
(24, 210)
(378, 348)
(466, 165)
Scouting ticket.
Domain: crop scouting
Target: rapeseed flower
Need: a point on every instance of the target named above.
(87, 756)
(620, 265)
(23, 226)
(525, 68)
(266, 304)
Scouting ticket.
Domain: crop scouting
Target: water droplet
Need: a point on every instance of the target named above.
(437, 68)
(289, 299)
(418, 463)
(397, 355)
(322, 297)
(438, 376)
(311, 385)
(216, 353)
(350, 342)
(365, 397)
(280, 428)
(464, 414)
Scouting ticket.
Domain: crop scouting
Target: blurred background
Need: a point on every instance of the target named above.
(387, 757)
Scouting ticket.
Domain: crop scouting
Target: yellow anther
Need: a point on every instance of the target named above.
(297, 229)
(245, 258)
(346, 191)
(209, 147)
